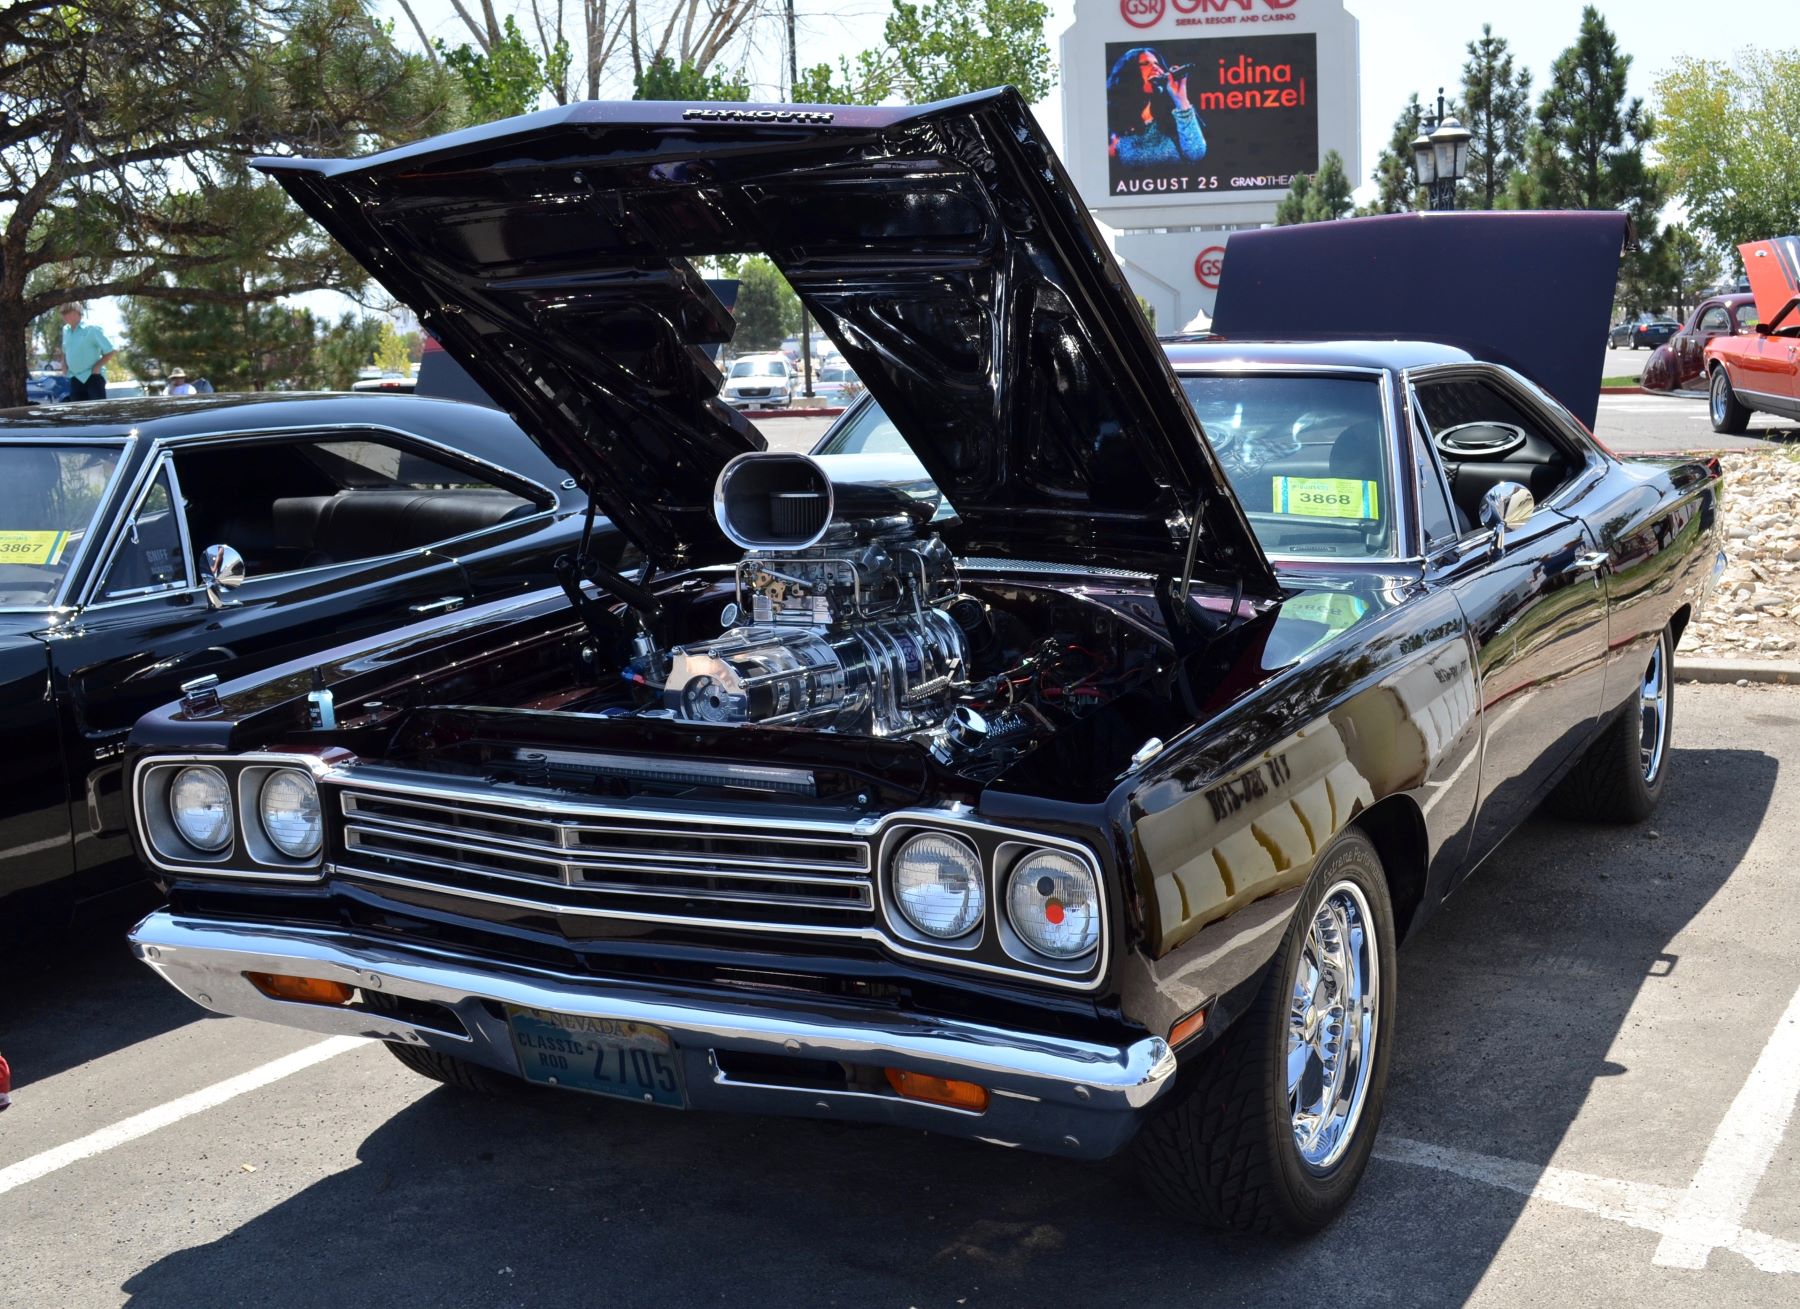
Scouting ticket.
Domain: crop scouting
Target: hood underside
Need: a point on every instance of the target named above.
(1532, 290)
(942, 247)
(1773, 267)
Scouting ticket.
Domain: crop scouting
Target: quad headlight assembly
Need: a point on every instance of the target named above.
(255, 817)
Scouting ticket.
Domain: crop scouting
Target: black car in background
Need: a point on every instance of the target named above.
(1645, 332)
(148, 544)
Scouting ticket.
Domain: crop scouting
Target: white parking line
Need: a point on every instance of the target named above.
(130, 1129)
(1741, 1149)
(1643, 1205)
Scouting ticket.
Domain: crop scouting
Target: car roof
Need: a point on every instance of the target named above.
(175, 417)
(1388, 355)
(479, 432)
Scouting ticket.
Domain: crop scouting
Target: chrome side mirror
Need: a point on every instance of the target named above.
(221, 570)
(1506, 506)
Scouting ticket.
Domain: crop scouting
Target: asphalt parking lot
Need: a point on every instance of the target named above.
(1600, 1053)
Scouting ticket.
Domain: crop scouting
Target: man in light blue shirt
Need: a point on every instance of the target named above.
(85, 352)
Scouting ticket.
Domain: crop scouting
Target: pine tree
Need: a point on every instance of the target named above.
(1497, 102)
(1292, 208)
(1397, 190)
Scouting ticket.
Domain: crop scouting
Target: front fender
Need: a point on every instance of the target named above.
(1223, 836)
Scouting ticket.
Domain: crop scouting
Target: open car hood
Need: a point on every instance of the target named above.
(1773, 267)
(1532, 290)
(941, 246)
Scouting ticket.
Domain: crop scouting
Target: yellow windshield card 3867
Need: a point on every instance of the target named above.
(1328, 497)
(32, 547)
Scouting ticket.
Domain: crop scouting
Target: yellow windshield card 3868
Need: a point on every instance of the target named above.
(1328, 497)
(32, 547)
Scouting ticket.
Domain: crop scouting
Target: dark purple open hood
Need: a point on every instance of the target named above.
(942, 247)
(1532, 290)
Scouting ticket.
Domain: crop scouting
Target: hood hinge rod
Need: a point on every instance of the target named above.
(571, 572)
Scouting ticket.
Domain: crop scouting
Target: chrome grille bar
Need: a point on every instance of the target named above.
(614, 861)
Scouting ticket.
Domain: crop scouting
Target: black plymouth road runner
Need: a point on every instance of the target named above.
(1073, 797)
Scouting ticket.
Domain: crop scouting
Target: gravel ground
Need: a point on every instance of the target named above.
(1756, 611)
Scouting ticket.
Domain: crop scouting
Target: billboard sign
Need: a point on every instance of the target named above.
(1209, 114)
(1201, 112)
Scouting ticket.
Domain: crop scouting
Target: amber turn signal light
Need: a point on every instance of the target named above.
(306, 990)
(1188, 1028)
(938, 1090)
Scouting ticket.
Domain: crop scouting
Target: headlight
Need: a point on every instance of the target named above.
(200, 804)
(1054, 905)
(290, 813)
(937, 884)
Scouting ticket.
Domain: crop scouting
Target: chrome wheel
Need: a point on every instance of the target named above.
(1721, 396)
(1333, 1023)
(1653, 708)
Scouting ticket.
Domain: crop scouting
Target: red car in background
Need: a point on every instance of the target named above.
(1682, 360)
(1760, 370)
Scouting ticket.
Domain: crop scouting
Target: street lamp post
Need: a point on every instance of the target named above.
(1441, 155)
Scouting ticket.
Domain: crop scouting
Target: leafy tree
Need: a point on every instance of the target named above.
(1497, 102)
(767, 308)
(506, 77)
(1292, 208)
(867, 81)
(1586, 151)
(238, 345)
(1695, 267)
(393, 353)
(663, 79)
(125, 131)
(943, 48)
(1318, 198)
(344, 349)
(1397, 190)
(1726, 134)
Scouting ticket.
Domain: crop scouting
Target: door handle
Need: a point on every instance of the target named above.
(1590, 563)
(442, 605)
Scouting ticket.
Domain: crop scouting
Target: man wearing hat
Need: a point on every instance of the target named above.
(179, 384)
(85, 352)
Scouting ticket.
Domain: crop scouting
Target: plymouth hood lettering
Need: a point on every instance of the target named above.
(942, 247)
(1531, 290)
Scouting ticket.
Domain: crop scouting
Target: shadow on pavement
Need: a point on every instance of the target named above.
(1512, 999)
(79, 995)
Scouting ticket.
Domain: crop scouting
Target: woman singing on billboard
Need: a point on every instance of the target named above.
(1149, 116)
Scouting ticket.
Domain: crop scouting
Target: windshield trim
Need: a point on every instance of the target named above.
(124, 444)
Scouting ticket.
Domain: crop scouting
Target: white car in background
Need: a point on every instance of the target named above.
(758, 382)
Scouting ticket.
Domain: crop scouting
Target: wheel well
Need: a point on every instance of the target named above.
(1397, 828)
(1678, 624)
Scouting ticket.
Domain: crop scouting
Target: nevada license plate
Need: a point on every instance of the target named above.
(607, 1056)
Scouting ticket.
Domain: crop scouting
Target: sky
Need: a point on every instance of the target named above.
(1405, 45)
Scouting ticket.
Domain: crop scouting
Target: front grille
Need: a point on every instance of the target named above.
(585, 858)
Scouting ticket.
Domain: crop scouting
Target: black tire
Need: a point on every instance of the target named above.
(451, 1071)
(1609, 783)
(1729, 415)
(1223, 1152)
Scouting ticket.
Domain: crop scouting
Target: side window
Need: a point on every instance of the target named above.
(312, 503)
(1484, 437)
(149, 557)
(1714, 320)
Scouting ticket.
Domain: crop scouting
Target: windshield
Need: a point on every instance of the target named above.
(759, 368)
(48, 495)
(1306, 456)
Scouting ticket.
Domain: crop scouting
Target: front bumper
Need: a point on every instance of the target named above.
(1053, 1094)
